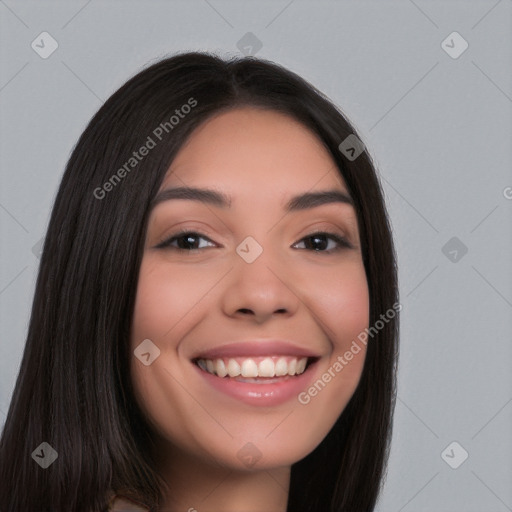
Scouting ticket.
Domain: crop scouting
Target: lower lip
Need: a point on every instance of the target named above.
(265, 394)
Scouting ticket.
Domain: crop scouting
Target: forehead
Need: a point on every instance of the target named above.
(257, 150)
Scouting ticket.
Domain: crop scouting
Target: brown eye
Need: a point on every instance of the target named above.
(320, 242)
(184, 241)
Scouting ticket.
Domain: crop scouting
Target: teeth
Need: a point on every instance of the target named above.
(220, 368)
(249, 368)
(233, 368)
(274, 366)
(266, 368)
(281, 367)
(301, 365)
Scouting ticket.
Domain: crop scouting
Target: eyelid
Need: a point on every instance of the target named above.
(165, 242)
(328, 228)
(342, 241)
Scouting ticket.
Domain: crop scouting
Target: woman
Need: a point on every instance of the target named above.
(215, 319)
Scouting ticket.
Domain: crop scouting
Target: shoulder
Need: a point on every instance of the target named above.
(118, 503)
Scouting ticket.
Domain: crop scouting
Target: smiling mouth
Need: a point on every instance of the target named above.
(262, 370)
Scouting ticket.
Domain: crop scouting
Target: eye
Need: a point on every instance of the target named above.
(319, 242)
(184, 241)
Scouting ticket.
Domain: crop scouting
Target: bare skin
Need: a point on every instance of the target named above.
(193, 300)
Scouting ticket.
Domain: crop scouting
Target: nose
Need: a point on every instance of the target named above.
(259, 290)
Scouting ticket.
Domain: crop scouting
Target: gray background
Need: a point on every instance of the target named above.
(439, 129)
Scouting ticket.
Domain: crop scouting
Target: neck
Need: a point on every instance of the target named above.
(196, 485)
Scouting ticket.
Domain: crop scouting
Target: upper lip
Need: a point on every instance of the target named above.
(256, 348)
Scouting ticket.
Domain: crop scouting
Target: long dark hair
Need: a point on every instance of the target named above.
(74, 390)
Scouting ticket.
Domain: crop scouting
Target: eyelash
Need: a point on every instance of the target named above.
(342, 242)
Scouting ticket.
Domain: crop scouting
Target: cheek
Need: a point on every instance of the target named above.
(148, 317)
(168, 305)
(164, 297)
(158, 309)
(339, 298)
(164, 300)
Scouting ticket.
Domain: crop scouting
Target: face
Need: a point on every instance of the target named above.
(249, 279)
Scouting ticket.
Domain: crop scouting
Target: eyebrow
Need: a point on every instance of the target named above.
(221, 200)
